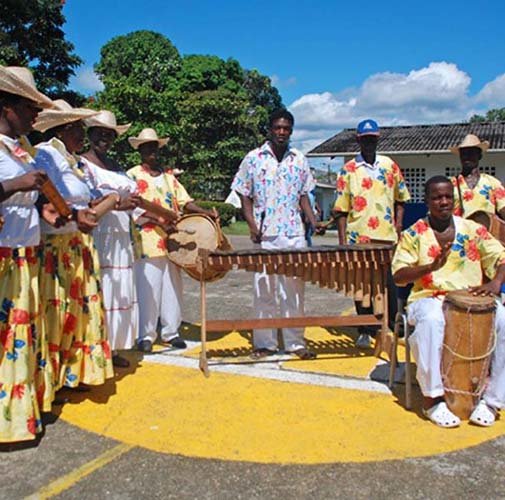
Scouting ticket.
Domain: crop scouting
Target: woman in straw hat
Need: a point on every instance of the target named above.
(112, 235)
(475, 191)
(69, 276)
(22, 375)
(159, 282)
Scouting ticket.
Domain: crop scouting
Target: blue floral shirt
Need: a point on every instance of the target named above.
(275, 188)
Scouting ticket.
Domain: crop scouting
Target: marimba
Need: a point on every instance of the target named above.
(358, 271)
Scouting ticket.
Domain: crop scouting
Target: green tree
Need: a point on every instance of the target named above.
(213, 110)
(264, 98)
(139, 71)
(31, 35)
(215, 132)
(200, 72)
(493, 115)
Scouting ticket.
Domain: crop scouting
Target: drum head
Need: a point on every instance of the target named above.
(194, 231)
(463, 299)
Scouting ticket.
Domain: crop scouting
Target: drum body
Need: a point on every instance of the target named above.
(469, 341)
(195, 231)
(492, 223)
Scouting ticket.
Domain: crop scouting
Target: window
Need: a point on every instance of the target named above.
(415, 177)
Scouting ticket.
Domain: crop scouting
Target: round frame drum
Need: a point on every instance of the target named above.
(469, 341)
(195, 231)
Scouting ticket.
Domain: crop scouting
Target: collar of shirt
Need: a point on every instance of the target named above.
(266, 149)
(360, 162)
(16, 149)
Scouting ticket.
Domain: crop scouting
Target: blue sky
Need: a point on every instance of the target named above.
(333, 62)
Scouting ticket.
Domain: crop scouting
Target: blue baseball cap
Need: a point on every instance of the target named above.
(368, 127)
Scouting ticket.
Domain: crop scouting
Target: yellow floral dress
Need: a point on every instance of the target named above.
(24, 370)
(488, 195)
(473, 252)
(164, 190)
(69, 282)
(368, 196)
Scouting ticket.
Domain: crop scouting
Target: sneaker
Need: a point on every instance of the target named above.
(145, 346)
(364, 341)
(176, 342)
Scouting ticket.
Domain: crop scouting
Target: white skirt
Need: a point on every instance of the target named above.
(115, 250)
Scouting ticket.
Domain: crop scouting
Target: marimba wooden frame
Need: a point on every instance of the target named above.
(378, 318)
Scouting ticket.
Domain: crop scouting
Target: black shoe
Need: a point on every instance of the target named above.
(176, 342)
(119, 361)
(145, 346)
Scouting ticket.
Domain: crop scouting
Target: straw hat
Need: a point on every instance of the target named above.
(470, 141)
(61, 114)
(147, 135)
(19, 81)
(107, 119)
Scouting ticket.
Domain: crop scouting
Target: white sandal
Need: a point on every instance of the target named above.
(483, 415)
(440, 415)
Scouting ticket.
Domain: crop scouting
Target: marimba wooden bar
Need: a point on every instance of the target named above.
(357, 271)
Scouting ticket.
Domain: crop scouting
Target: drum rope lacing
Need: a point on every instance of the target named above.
(485, 366)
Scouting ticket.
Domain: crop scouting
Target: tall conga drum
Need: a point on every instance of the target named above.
(469, 341)
(195, 231)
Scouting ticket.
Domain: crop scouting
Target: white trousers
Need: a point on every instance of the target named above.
(159, 289)
(426, 342)
(277, 293)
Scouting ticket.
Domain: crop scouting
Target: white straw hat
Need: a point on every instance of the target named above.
(107, 119)
(147, 135)
(19, 81)
(470, 141)
(61, 114)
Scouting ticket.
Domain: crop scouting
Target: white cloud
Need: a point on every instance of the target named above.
(86, 80)
(493, 93)
(437, 93)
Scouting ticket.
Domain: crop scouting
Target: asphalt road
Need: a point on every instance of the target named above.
(69, 462)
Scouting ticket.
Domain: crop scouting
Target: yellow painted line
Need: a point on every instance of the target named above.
(67, 481)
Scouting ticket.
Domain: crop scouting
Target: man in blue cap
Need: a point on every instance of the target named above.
(369, 206)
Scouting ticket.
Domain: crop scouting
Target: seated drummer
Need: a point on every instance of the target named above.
(439, 254)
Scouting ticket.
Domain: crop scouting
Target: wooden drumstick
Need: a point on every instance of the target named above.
(158, 210)
(49, 190)
(262, 222)
(106, 205)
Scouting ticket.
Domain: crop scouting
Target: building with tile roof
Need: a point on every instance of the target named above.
(422, 151)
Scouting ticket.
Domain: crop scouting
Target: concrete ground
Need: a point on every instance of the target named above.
(118, 460)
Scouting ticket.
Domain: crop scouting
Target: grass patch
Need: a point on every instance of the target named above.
(238, 228)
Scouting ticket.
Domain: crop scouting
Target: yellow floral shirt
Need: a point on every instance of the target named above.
(488, 195)
(165, 190)
(367, 193)
(473, 252)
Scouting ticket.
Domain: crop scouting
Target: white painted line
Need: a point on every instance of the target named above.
(273, 372)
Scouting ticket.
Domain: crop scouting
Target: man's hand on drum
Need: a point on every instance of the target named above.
(214, 214)
(492, 288)
(168, 226)
(441, 258)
